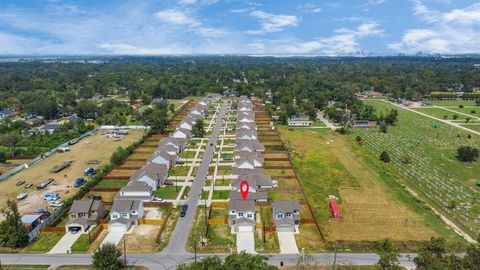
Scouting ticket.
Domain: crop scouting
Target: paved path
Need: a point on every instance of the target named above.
(65, 243)
(287, 243)
(169, 261)
(468, 115)
(325, 121)
(178, 239)
(113, 238)
(246, 242)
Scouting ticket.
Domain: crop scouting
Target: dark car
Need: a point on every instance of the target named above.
(95, 197)
(41, 210)
(184, 210)
(80, 181)
(28, 185)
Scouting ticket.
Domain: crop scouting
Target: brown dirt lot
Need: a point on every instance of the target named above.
(142, 239)
(94, 147)
(115, 173)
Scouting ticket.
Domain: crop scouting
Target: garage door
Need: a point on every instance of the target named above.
(119, 228)
(245, 228)
(285, 229)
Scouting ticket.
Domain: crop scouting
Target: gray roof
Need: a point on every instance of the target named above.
(136, 186)
(237, 171)
(85, 206)
(80, 221)
(254, 180)
(151, 170)
(285, 206)
(240, 205)
(254, 145)
(124, 221)
(253, 196)
(123, 206)
(244, 220)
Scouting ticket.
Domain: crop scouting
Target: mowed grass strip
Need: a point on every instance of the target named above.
(441, 113)
(112, 184)
(44, 243)
(373, 205)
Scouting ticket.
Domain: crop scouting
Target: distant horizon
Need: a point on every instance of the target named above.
(239, 27)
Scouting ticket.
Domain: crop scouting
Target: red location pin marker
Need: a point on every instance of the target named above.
(244, 189)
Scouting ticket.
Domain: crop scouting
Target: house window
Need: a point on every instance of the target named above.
(249, 216)
(240, 214)
(280, 215)
(288, 214)
(124, 215)
(114, 216)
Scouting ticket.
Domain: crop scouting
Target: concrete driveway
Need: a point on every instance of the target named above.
(113, 238)
(246, 242)
(65, 243)
(287, 242)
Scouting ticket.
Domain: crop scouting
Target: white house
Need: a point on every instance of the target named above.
(248, 160)
(182, 133)
(164, 158)
(124, 214)
(242, 215)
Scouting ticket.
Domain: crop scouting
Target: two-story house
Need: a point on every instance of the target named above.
(286, 215)
(83, 214)
(245, 160)
(124, 214)
(242, 215)
(135, 190)
(152, 174)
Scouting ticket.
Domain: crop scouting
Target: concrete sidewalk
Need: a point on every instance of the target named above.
(246, 242)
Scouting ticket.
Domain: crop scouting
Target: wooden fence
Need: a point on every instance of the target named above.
(146, 221)
(105, 189)
(52, 229)
(217, 221)
(220, 204)
(165, 220)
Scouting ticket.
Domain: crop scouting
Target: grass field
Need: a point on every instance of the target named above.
(94, 147)
(219, 237)
(373, 205)
(451, 103)
(25, 267)
(168, 192)
(82, 244)
(441, 113)
(425, 158)
(87, 267)
(112, 184)
(44, 243)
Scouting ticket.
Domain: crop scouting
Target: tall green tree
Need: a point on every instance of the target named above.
(107, 257)
(198, 129)
(388, 254)
(12, 232)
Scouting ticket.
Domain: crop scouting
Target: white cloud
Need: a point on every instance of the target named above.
(366, 6)
(344, 42)
(455, 31)
(127, 49)
(309, 8)
(187, 2)
(176, 17)
(271, 23)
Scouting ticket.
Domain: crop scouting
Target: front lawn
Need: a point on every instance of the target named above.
(83, 242)
(168, 192)
(45, 242)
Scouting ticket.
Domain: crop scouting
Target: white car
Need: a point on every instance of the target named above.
(157, 199)
(22, 196)
(56, 204)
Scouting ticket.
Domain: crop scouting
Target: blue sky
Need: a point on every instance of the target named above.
(39, 27)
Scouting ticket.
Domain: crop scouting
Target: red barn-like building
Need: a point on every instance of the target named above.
(334, 208)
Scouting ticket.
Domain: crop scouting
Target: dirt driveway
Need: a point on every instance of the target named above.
(97, 147)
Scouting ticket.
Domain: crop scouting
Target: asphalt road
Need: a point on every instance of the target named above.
(179, 237)
(170, 261)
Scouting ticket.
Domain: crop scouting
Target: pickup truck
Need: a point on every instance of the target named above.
(45, 183)
(51, 197)
(63, 149)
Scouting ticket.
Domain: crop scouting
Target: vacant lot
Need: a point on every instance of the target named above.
(94, 147)
(441, 113)
(142, 239)
(373, 206)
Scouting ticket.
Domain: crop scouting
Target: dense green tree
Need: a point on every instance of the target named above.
(10, 140)
(3, 157)
(87, 109)
(236, 261)
(198, 129)
(467, 153)
(383, 128)
(12, 232)
(385, 157)
(107, 257)
(388, 254)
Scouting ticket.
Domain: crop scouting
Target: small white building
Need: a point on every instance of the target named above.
(299, 121)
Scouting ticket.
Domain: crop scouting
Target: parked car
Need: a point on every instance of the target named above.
(56, 204)
(41, 210)
(184, 210)
(20, 183)
(22, 196)
(80, 181)
(51, 197)
(168, 183)
(158, 199)
(180, 162)
(63, 149)
(95, 197)
(28, 185)
(89, 171)
(74, 141)
(74, 230)
(227, 158)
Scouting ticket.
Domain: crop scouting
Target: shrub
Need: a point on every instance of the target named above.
(385, 157)
(467, 153)
(107, 257)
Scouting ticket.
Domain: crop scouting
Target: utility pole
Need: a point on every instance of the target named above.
(124, 250)
(334, 256)
(195, 245)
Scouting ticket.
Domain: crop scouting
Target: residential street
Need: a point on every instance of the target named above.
(178, 239)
